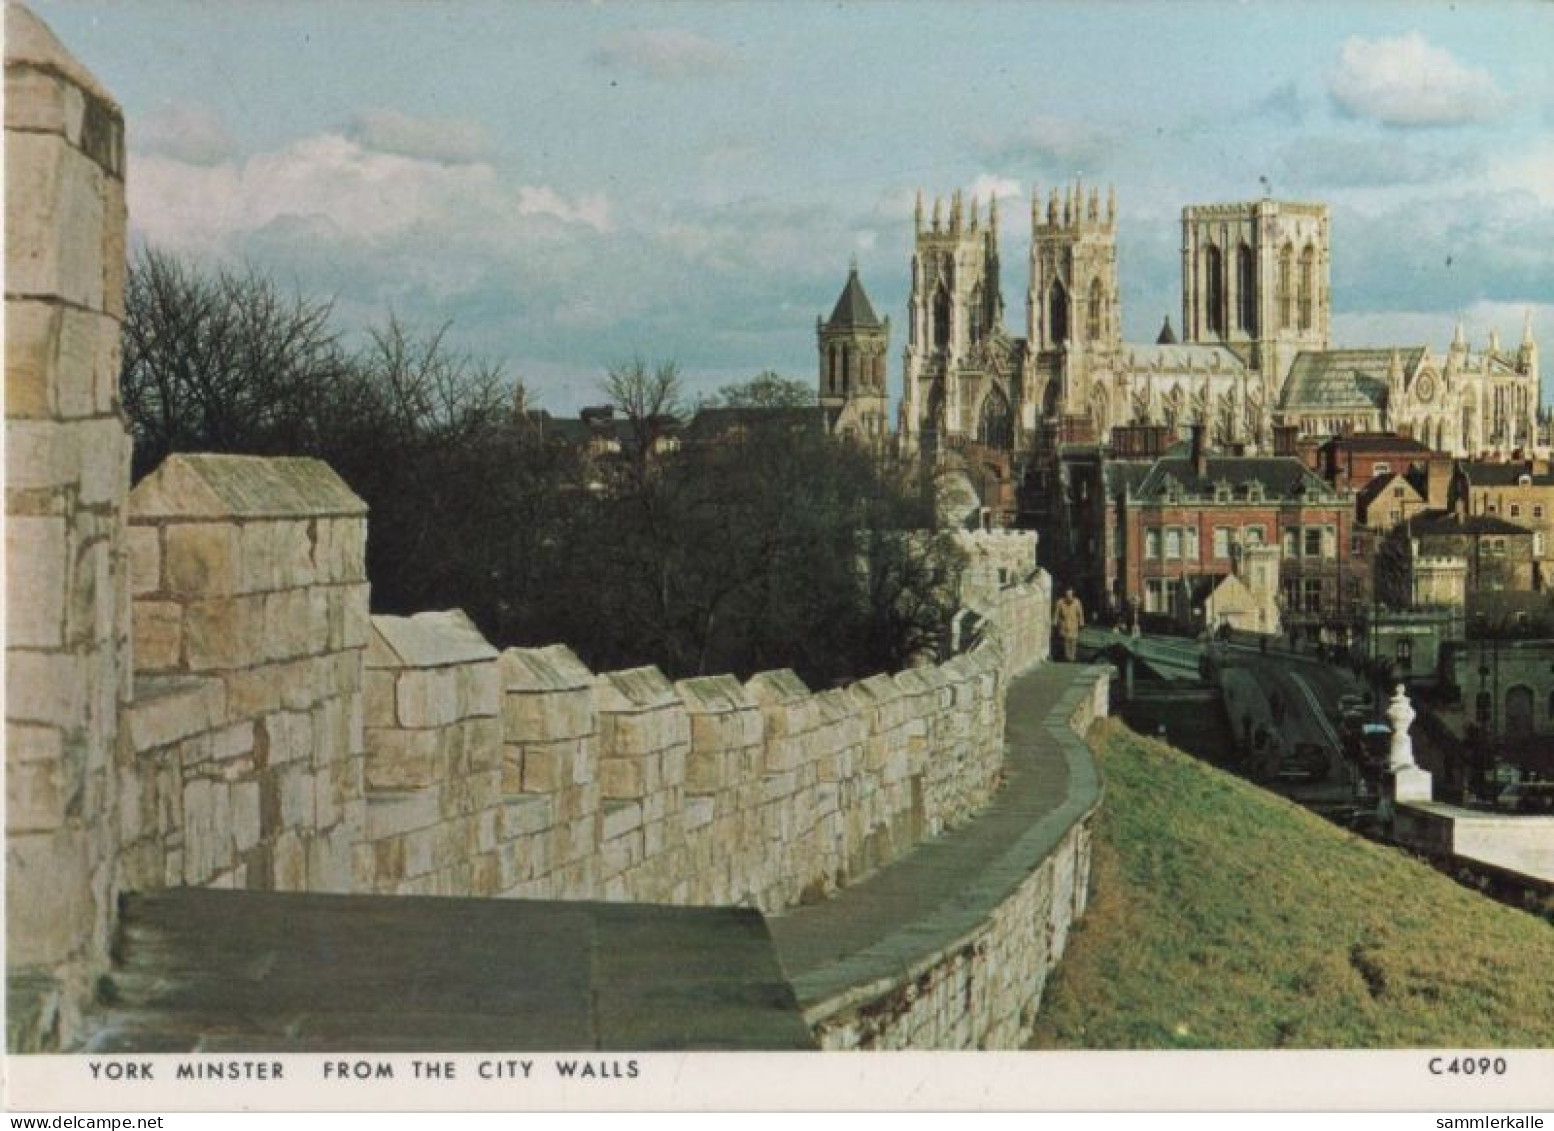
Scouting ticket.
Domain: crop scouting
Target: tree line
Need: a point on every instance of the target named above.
(766, 545)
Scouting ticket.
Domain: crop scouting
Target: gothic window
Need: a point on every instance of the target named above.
(847, 368)
(1286, 286)
(1308, 284)
(1096, 311)
(835, 374)
(1057, 314)
(976, 313)
(941, 317)
(1246, 290)
(996, 426)
(1214, 290)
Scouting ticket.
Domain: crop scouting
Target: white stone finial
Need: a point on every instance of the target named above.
(1400, 713)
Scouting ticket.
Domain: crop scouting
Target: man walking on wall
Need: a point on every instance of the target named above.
(1069, 617)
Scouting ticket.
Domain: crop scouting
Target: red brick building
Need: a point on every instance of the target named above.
(1174, 530)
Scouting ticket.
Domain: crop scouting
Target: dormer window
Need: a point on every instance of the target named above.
(1254, 491)
(1222, 492)
(1524, 480)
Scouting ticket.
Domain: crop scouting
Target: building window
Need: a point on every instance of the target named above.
(1173, 542)
(1214, 290)
(1494, 546)
(1152, 544)
(1095, 316)
(1222, 542)
(1057, 314)
(1253, 535)
(1286, 287)
(1405, 653)
(1154, 596)
(1380, 467)
(1246, 290)
(1190, 543)
(1311, 594)
(1516, 510)
(1398, 492)
(1537, 510)
(1537, 543)
(1292, 541)
(1313, 541)
(1308, 285)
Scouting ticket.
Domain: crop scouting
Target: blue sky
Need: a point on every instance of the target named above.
(572, 184)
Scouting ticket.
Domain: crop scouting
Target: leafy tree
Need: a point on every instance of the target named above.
(767, 389)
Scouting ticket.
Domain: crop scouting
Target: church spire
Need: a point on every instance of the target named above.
(917, 213)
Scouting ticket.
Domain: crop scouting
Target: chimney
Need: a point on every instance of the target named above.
(1200, 454)
(1438, 474)
(1284, 438)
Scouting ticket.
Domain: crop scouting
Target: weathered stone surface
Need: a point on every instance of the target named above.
(145, 559)
(35, 580)
(56, 211)
(429, 640)
(191, 487)
(168, 710)
(158, 635)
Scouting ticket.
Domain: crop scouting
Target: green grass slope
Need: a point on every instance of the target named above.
(1225, 917)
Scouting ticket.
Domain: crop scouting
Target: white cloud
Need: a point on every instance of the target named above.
(185, 132)
(1060, 145)
(1406, 81)
(592, 209)
(434, 139)
(990, 185)
(333, 188)
(666, 54)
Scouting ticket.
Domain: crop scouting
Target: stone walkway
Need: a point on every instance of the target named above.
(944, 888)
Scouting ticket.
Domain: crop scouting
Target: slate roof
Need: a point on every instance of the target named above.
(1439, 522)
(1374, 489)
(1340, 379)
(714, 423)
(1280, 476)
(853, 309)
(1378, 442)
(1502, 474)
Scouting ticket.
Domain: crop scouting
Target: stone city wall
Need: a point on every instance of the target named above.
(982, 989)
(197, 696)
(67, 473)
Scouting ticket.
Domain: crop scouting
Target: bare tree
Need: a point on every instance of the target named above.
(651, 399)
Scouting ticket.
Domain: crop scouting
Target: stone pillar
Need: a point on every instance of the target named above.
(67, 474)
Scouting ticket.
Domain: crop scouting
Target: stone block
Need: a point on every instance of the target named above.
(34, 800)
(623, 778)
(157, 635)
(399, 760)
(287, 625)
(290, 863)
(245, 815)
(393, 814)
(427, 697)
(56, 212)
(207, 831)
(222, 633)
(202, 558)
(105, 461)
(145, 559)
(544, 769)
(31, 358)
(619, 818)
(50, 910)
(169, 710)
(35, 582)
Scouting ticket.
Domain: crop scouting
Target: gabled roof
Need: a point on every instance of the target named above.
(1373, 490)
(1280, 476)
(853, 309)
(1335, 379)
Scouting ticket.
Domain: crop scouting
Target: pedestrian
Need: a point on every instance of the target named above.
(1069, 617)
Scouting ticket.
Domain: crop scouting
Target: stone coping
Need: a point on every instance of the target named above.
(949, 887)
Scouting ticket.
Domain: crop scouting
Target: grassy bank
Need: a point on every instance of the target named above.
(1225, 917)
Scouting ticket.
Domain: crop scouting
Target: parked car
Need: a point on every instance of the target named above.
(1527, 797)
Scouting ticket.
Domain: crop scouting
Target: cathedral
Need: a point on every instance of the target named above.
(1254, 352)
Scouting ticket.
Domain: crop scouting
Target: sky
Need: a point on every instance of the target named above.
(568, 186)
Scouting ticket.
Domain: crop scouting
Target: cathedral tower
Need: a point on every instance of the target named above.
(1255, 278)
(1072, 307)
(853, 344)
(956, 372)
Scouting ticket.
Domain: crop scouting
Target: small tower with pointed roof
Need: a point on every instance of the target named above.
(853, 345)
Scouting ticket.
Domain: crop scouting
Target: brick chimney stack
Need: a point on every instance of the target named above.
(1200, 452)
